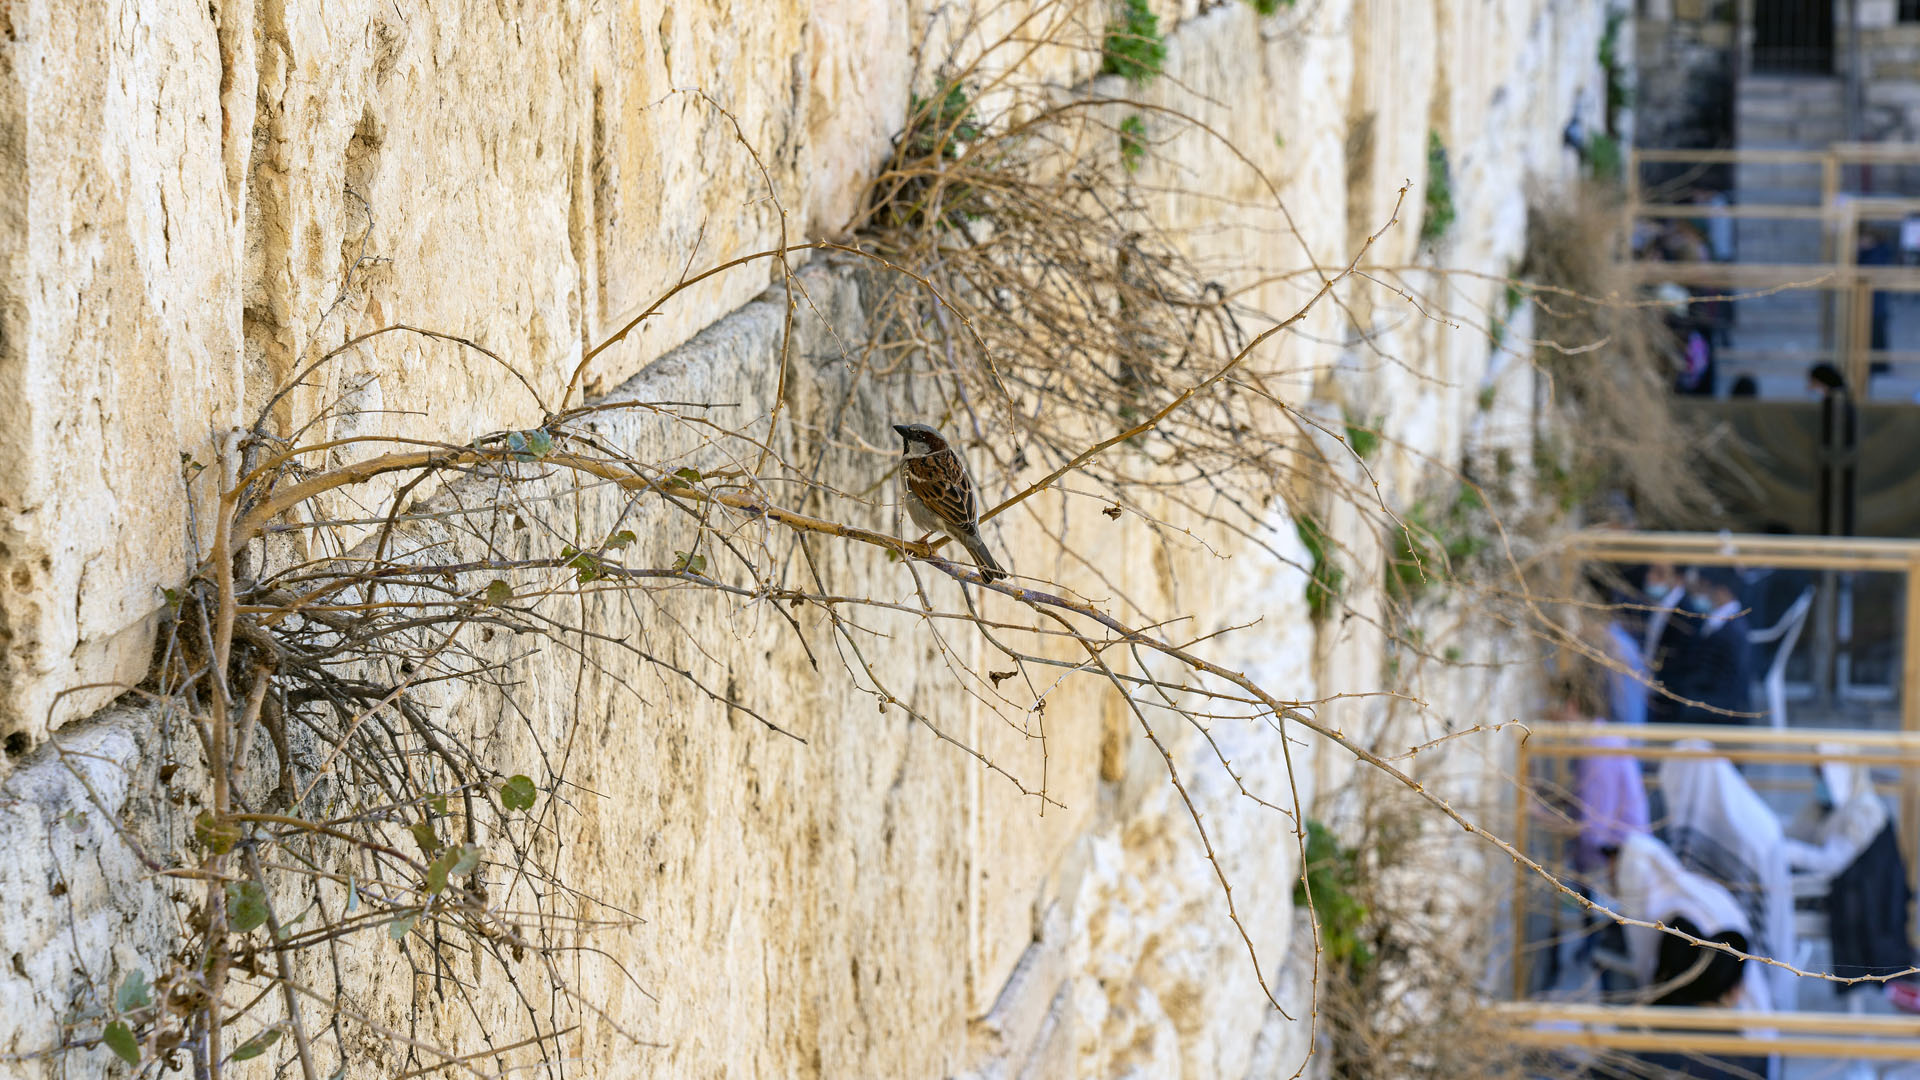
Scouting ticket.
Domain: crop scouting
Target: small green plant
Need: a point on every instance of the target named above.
(1439, 213)
(938, 128)
(1331, 876)
(1326, 578)
(1569, 485)
(1604, 159)
(920, 192)
(1619, 90)
(1269, 7)
(1133, 142)
(1363, 436)
(1510, 302)
(1134, 49)
(1434, 543)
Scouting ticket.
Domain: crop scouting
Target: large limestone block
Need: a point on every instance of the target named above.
(201, 199)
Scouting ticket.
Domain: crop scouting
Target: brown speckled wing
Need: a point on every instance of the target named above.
(940, 481)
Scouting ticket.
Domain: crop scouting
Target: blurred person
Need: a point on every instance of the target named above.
(1838, 439)
(1720, 828)
(1627, 678)
(1716, 669)
(1876, 249)
(1651, 885)
(1719, 229)
(1770, 591)
(1696, 375)
(1846, 838)
(1665, 637)
(1609, 794)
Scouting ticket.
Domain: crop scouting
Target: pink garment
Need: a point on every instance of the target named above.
(1613, 803)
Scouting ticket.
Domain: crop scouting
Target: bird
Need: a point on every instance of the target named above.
(939, 493)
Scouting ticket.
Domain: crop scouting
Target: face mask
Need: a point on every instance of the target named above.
(1698, 604)
(1822, 794)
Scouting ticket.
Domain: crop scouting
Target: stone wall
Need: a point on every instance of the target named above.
(199, 199)
(1685, 64)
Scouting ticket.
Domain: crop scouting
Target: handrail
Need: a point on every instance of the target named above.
(1764, 550)
(1846, 328)
(1712, 1031)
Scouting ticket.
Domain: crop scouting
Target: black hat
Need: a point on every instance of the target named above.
(1725, 577)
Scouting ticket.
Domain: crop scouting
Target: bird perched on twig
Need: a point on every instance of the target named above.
(939, 494)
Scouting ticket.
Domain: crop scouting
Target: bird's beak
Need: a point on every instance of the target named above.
(902, 429)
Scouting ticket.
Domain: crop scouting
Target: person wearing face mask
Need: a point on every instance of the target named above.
(1666, 637)
(1716, 675)
(1846, 840)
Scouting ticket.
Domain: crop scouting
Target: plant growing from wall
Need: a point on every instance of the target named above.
(1133, 142)
(1134, 48)
(1325, 578)
(1438, 217)
(1327, 883)
(1604, 161)
(1619, 88)
(1435, 542)
(1363, 436)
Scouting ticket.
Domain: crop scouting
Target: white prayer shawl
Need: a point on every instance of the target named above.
(1653, 886)
(1820, 843)
(1720, 829)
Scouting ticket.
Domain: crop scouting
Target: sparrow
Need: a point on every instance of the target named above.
(939, 494)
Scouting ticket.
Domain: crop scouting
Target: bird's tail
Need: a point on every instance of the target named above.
(981, 556)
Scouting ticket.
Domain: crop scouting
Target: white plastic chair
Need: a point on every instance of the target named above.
(1787, 633)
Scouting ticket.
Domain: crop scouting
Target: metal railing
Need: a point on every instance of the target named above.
(1846, 329)
(1627, 1028)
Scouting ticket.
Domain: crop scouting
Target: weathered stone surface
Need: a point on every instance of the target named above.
(196, 202)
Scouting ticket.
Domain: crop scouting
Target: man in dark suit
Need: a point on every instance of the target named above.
(1716, 668)
(1667, 632)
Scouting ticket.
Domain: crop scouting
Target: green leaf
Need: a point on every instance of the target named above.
(539, 442)
(517, 793)
(586, 567)
(690, 476)
(517, 446)
(215, 835)
(1133, 142)
(398, 928)
(424, 836)
(437, 871)
(439, 804)
(246, 905)
(173, 599)
(498, 592)
(468, 860)
(621, 539)
(688, 563)
(119, 1039)
(1134, 48)
(133, 992)
(257, 1045)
